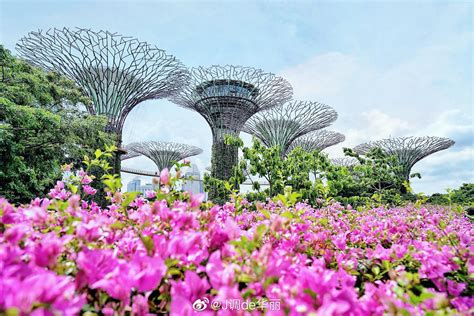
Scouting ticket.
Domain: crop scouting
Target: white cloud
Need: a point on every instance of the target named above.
(420, 96)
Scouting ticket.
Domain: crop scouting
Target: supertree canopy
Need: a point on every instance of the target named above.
(115, 71)
(129, 153)
(281, 125)
(227, 96)
(348, 162)
(164, 154)
(317, 140)
(407, 150)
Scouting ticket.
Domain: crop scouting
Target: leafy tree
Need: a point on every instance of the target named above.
(41, 128)
(24, 84)
(266, 163)
(29, 145)
(464, 196)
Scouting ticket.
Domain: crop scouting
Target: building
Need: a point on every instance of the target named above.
(134, 185)
(195, 185)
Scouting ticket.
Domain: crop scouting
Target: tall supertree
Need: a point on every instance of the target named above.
(348, 162)
(407, 150)
(227, 96)
(115, 71)
(317, 140)
(164, 154)
(281, 125)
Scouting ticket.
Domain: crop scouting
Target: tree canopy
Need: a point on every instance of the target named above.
(41, 128)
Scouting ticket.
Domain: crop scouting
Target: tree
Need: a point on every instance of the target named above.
(28, 149)
(23, 84)
(39, 129)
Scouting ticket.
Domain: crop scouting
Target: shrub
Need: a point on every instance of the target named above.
(167, 252)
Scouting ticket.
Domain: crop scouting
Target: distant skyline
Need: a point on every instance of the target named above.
(392, 68)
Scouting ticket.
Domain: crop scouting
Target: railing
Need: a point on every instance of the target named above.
(156, 174)
(140, 172)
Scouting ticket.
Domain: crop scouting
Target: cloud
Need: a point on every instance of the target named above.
(422, 95)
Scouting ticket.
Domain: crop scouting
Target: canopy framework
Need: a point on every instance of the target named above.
(348, 162)
(129, 154)
(281, 125)
(407, 150)
(115, 71)
(164, 154)
(226, 97)
(317, 140)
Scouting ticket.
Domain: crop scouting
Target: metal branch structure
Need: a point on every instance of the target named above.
(281, 125)
(348, 162)
(164, 154)
(227, 96)
(129, 154)
(407, 150)
(317, 140)
(115, 71)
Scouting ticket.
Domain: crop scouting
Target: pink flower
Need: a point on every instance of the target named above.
(47, 250)
(196, 200)
(89, 190)
(140, 306)
(164, 176)
(184, 293)
(455, 288)
(150, 194)
(147, 272)
(86, 179)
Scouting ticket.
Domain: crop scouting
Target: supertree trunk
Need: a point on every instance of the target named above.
(224, 158)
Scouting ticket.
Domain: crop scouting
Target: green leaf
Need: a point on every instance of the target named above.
(265, 213)
(129, 197)
(98, 153)
(118, 225)
(287, 214)
(148, 243)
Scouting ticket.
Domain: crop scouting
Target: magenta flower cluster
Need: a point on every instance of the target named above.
(65, 256)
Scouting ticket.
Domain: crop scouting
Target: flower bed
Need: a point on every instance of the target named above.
(67, 256)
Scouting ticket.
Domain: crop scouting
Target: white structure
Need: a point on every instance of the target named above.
(136, 186)
(195, 185)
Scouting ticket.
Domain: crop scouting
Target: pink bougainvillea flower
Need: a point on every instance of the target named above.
(89, 190)
(164, 176)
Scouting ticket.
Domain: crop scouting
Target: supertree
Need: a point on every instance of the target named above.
(348, 162)
(164, 154)
(281, 125)
(407, 150)
(227, 96)
(317, 140)
(114, 71)
(129, 153)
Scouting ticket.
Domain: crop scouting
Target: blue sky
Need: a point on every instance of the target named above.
(394, 68)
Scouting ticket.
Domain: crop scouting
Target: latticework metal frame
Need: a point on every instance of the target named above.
(129, 154)
(164, 154)
(281, 125)
(115, 71)
(317, 140)
(348, 162)
(407, 150)
(227, 96)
